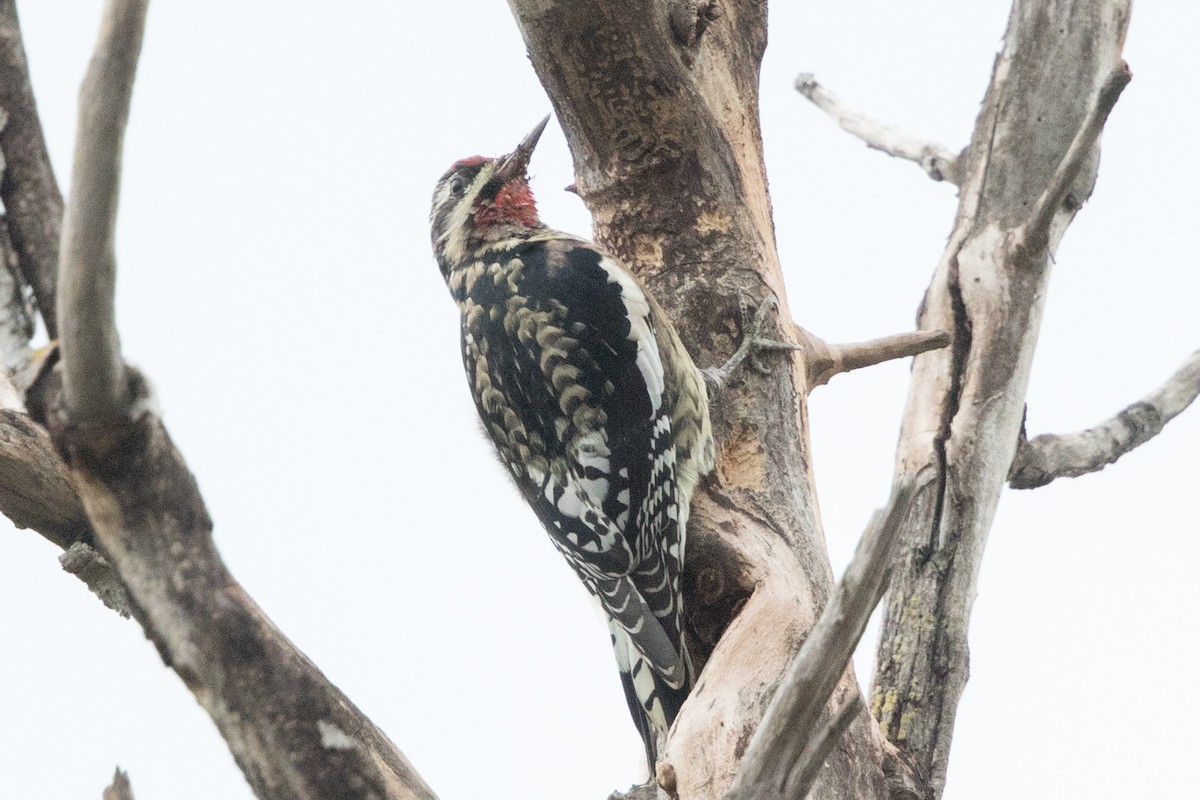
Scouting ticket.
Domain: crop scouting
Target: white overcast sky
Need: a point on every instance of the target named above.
(276, 284)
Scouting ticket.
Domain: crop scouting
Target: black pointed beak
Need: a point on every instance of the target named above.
(516, 163)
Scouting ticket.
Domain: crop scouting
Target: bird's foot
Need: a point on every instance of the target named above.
(752, 345)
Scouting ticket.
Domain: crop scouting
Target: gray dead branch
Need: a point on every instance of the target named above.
(1068, 455)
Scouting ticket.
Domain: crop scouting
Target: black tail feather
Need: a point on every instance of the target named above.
(669, 698)
(641, 721)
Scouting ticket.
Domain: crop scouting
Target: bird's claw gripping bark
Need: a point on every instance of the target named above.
(751, 346)
(752, 326)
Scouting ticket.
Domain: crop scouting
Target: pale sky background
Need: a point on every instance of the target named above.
(276, 283)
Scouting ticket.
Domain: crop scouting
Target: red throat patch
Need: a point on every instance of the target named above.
(513, 205)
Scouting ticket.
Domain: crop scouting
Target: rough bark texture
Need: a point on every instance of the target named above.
(35, 489)
(659, 101)
(966, 403)
(16, 316)
(32, 202)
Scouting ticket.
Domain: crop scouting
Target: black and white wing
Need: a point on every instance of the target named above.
(562, 354)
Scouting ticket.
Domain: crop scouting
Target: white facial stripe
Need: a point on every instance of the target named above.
(453, 240)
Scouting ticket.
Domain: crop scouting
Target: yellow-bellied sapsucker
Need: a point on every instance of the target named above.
(594, 405)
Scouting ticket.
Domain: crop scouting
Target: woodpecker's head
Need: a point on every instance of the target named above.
(480, 200)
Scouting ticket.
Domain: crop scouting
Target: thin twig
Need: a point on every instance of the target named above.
(1044, 458)
(1035, 233)
(824, 360)
(94, 381)
(791, 724)
(937, 160)
(30, 193)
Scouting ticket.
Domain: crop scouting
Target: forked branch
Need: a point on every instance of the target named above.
(35, 489)
(787, 750)
(1025, 174)
(1049, 456)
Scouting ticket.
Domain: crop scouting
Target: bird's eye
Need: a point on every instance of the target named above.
(457, 186)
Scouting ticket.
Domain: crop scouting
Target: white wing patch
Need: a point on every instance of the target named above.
(637, 309)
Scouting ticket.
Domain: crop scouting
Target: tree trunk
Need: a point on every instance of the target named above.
(659, 102)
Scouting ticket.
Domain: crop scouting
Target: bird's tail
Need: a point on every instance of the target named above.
(653, 703)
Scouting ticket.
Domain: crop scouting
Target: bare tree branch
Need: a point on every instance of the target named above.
(779, 760)
(1031, 151)
(937, 160)
(823, 360)
(820, 745)
(16, 317)
(94, 386)
(30, 193)
(119, 789)
(35, 489)
(668, 158)
(1049, 456)
(37, 493)
(291, 731)
(295, 735)
(1035, 233)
